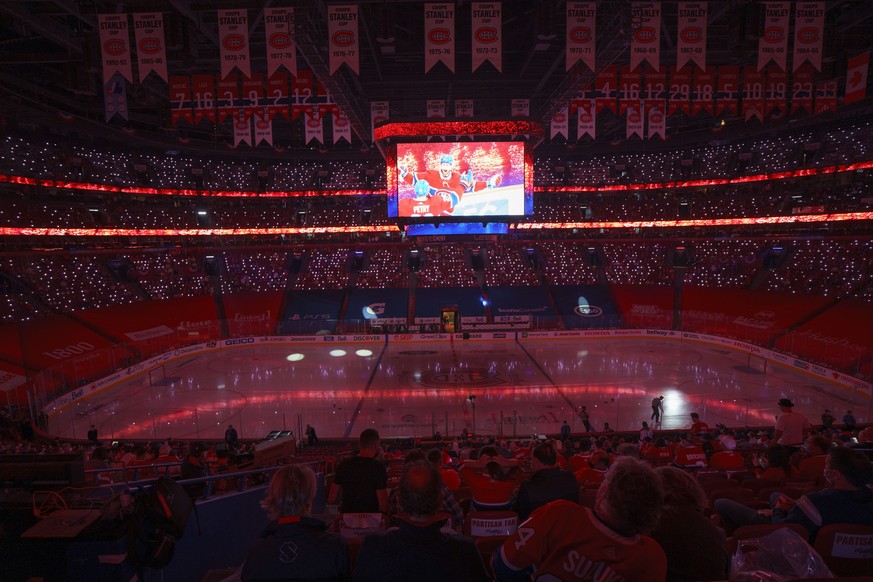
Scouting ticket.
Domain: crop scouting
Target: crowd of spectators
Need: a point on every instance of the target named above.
(36, 285)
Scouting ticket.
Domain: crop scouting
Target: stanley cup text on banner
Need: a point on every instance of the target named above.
(520, 107)
(487, 33)
(773, 43)
(151, 48)
(342, 31)
(581, 32)
(233, 38)
(439, 35)
(808, 33)
(436, 108)
(463, 108)
(646, 34)
(378, 114)
(115, 46)
(279, 32)
(691, 34)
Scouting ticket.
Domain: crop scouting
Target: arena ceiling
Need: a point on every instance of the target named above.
(50, 54)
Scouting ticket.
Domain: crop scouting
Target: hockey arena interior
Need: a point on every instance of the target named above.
(403, 290)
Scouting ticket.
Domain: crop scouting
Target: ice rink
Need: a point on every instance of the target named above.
(415, 389)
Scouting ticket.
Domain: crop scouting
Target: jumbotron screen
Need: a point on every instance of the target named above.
(468, 180)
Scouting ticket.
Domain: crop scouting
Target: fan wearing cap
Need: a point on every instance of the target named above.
(791, 428)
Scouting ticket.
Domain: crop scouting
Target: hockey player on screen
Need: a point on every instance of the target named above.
(445, 183)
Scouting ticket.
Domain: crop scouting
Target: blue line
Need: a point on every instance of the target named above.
(360, 404)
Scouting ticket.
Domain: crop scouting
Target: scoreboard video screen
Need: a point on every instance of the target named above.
(461, 180)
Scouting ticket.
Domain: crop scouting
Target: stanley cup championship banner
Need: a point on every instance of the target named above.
(463, 108)
(691, 34)
(581, 33)
(233, 37)
(634, 119)
(487, 31)
(808, 33)
(378, 114)
(151, 50)
(439, 35)
(520, 107)
(115, 46)
(436, 108)
(646, 29)
(773, 43)
(342, 30)
(279, 32)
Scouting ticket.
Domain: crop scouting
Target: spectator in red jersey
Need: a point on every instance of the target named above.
(592, 476)
(698, 427)
(449, 476)
(689, 455)
(565, 541)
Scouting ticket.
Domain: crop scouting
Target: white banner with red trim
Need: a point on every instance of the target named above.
(242, 128)
(634, 119)
(151, 48)
(463, 108)
(487, 31)
(436, 108)
(691, 34)
(581, 33)
(279, 33)
(233, 42)
(808, 34)
(263, 127)
(379, 113)
(342, 127)
(439, 35)
(645, 25)
(559, 123)
(342, 30)
(115, 46)
(656, 116)
(520, 107)
(586, 119)
(314, 124)
(773, 42)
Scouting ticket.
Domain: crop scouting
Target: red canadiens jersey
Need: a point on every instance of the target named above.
(433, 206)
(564, 541)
